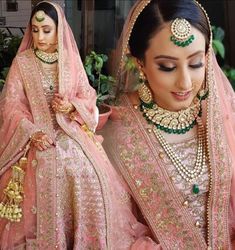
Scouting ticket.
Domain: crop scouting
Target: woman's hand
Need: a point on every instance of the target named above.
(61, 104)
(41, 141)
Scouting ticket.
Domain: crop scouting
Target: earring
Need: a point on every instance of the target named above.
(203, 92)
(143, 90)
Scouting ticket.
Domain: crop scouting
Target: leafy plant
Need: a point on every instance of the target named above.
(102, 83)
(217, 42)
(8, 49)
(219, 49)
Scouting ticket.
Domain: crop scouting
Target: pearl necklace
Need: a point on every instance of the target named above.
(186, 173)
(48, 58)
(169, 121)
(51, 79)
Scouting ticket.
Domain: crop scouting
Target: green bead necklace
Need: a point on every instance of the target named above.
(169, 121)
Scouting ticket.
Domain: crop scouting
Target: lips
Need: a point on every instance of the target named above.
(181, 96)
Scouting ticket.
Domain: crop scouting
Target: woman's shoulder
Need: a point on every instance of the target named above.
(24, 58)
(24, 54)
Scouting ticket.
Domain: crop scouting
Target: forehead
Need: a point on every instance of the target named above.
(48, 21)
(161, 44)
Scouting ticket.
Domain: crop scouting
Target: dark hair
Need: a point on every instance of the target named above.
(48, 8)
(156, 13)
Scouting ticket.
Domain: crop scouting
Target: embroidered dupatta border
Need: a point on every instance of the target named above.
(220, 173)
(45, 176)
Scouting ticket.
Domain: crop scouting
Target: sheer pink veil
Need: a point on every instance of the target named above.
(226, 99)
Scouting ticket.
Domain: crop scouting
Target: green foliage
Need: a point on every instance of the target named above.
(8, 49)
(130, 63)
(102, 83)
(218, 46)
(217, 42)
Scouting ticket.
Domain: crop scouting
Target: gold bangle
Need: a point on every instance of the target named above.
(67, 109)
(32, 139)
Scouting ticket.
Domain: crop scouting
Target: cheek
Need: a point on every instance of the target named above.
(54, 36)
(34, 35)
(198, 79)
(160, 80)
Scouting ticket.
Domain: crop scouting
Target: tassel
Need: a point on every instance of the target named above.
(14, 194)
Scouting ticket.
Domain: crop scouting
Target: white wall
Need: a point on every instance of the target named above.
(17, 18)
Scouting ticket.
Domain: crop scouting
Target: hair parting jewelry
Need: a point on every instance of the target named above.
(181, 32)
(40, 16)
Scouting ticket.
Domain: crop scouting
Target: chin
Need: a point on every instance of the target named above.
(180, 106)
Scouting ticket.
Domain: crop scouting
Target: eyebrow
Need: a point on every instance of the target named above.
(175, 58)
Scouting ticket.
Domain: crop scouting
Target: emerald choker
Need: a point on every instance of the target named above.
(48, 58)
(169, 121)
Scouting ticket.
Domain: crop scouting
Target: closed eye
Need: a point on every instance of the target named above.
(166, 69)
(196, 66)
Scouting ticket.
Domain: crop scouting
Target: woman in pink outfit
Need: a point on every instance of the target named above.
(174, 140)
(57, 187)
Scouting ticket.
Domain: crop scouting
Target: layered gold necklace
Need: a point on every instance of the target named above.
(179, 123)
(189, 175)
(48, 58)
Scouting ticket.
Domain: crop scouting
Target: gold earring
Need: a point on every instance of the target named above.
(203, 92)
(143, 90)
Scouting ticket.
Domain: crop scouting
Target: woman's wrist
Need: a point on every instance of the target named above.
(35, 136)
(65, 109)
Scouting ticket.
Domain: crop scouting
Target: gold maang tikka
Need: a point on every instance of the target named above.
(181, 32)
(40, 15)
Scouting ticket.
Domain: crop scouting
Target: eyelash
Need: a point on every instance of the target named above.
(197, 66)
(168, 69)
(35, 31)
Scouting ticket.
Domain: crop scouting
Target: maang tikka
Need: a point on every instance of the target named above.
(181, 32)
(40, 16)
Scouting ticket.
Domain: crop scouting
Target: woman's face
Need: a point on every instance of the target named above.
(175, 74)
(44, 34)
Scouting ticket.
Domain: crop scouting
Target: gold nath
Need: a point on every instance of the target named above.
(48, 58)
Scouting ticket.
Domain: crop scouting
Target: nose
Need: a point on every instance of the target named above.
(40, 36)
(184, 81)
